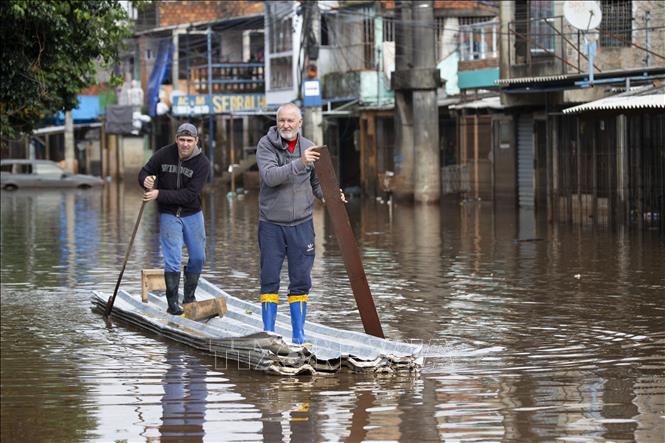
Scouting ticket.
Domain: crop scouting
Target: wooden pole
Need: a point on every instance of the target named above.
(347, 244)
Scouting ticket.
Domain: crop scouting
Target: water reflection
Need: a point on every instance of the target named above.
(184, 399)
(534, 331)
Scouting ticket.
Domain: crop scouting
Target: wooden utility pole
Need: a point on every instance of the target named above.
(415, 82)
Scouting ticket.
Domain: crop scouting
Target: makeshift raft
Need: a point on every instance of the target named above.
(239, 337)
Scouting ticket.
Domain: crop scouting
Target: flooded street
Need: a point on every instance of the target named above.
(532, 331)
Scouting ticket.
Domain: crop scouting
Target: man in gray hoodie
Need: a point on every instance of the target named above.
(286, 197)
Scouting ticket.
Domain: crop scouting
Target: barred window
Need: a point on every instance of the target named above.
(281, 35)
(281, 73)
(388, 29)
(466, 21)
(616, 25)
(540, 29)
(368, 38)
(147, 17)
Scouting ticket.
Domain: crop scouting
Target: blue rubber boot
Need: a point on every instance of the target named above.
(298, 307)
(269, 311)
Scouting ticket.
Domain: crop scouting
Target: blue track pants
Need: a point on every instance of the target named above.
(296, 243)
(173, 231)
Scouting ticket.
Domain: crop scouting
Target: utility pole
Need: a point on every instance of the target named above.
(415, 81)
(427, 172)
(403, 187)
(312, 115)
(69, 142)
(211, 116)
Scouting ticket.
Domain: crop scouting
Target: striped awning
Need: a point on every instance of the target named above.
(647, 97)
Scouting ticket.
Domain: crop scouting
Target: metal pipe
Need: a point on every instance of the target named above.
(211, 127)
(585, 83)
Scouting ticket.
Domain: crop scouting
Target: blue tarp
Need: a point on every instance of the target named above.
(86, 111)
(162, 65)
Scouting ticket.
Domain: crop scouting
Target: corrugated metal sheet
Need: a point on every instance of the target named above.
(639, 98)
(484, 103)
(635, 73)
(525, 182)
(239, 336)
(539, 79)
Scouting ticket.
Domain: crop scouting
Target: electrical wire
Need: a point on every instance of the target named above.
(348, 18)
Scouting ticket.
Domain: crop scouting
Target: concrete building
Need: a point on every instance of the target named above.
(584, 167)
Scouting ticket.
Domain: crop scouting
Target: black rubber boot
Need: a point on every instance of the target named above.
(191, 281)
(172, 282)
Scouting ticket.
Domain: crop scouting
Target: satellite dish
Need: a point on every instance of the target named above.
(582, 14)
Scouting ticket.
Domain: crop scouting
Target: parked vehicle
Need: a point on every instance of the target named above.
(21, 173)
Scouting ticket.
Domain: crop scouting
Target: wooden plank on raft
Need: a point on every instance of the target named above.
(347, 244)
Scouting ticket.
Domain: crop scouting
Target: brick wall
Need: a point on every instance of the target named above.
(177, 12)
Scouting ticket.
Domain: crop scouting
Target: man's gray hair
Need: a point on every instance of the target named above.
(292, 106)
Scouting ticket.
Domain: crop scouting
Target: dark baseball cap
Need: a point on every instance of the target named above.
(187, 129)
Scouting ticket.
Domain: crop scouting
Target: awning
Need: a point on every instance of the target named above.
(540, 79)
(86, 111)
(645, 97)
(48, 130)
(570, 80)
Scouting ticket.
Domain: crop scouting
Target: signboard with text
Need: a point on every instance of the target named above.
(311, 93)
(217, 104)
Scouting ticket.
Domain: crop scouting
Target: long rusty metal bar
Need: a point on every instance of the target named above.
(347, 244)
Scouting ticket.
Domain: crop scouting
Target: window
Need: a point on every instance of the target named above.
(326, 36)
(48, 169)
(540, 26)
(17, 168)
(388, 29)
(281, 73)
(281, 35)
(368, 38)
(479, 40)
(616, 26)
(147, 17)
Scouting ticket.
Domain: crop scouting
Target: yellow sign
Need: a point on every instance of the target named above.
(218, 104)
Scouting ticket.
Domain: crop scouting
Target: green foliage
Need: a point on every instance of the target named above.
(50, 51)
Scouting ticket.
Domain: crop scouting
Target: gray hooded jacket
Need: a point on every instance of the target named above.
(288, 187)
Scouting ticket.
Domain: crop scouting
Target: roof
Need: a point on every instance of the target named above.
(571, 79)
(228, 21)
(645, 97)
(483, 103)
(535, 79)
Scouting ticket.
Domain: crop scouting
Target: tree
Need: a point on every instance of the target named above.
(50, 51)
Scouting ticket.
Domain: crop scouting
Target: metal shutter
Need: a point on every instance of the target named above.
(525, 180)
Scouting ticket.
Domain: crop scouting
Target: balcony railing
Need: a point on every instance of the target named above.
(540, 41)
(228, 78)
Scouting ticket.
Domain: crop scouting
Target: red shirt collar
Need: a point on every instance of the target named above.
(292, 144)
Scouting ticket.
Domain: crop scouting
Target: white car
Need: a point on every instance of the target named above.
(21, 173)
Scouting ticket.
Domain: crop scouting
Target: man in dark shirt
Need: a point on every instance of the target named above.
(180, 170)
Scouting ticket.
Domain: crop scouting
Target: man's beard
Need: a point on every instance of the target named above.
(287, 134)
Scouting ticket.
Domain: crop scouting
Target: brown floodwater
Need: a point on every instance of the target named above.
(532, 331)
